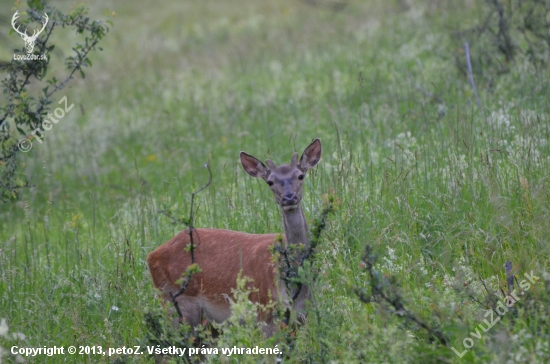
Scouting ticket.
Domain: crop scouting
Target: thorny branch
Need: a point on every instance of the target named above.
(508, 29)
(294, 257)
(380, 291)
(192, 268)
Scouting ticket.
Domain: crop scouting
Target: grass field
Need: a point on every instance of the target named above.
(444, 190)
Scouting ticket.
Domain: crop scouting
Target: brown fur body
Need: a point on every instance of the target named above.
(220, 254)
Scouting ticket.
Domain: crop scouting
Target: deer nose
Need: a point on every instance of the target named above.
(289, 198)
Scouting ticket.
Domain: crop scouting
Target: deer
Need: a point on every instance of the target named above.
(222, 254)
(29, 40)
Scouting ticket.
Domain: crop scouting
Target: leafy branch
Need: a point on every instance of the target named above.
(25, 112)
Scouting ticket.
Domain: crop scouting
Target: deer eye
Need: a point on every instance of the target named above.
(270, 183)
(301, 177)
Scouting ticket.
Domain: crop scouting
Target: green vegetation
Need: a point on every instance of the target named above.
(442, 190)
(29, 110)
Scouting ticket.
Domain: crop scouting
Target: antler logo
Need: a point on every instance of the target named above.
(29, 40)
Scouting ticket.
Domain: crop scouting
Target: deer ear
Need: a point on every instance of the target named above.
(311, 156)
(270, 165)
(253, 166)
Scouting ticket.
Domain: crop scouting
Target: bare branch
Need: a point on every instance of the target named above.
(192, 268)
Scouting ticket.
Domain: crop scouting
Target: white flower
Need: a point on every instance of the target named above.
(18, 336)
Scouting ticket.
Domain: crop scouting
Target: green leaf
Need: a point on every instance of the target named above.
(36, 4)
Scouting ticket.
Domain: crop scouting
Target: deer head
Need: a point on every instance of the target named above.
(29, 40)
(285, 180)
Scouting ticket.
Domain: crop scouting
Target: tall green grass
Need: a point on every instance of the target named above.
(445, 191)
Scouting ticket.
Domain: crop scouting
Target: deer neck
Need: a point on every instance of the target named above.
(295, 225)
